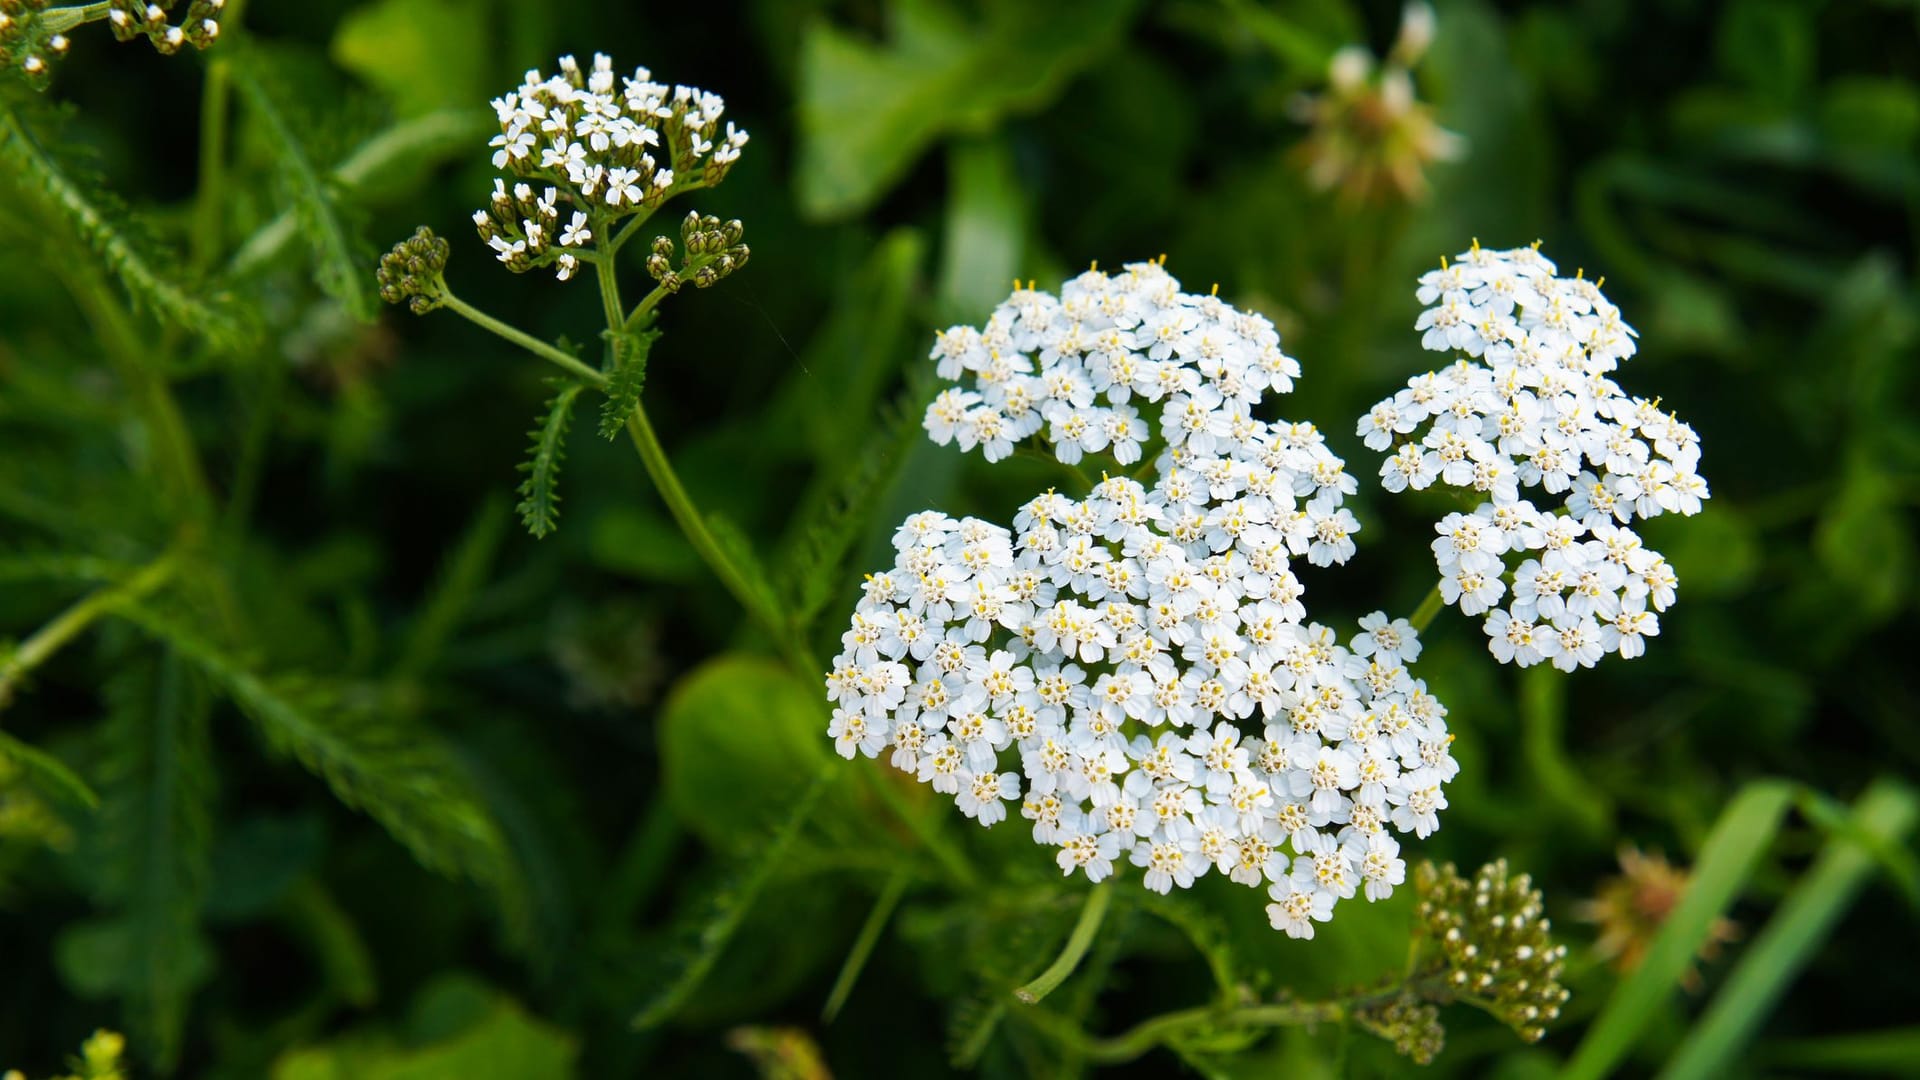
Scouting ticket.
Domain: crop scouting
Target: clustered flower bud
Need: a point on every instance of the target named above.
(32, 35)
(1372, 137)
(1134, 670)
(1530, 404)
(1410, 1024)
(604, 155)
(412, 273)
(1497, 943)
(712, 250)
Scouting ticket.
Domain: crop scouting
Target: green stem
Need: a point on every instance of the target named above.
(609, 284)
(1148, 1034)
(69, 624)
(62, 19)
(1098, 900)
(1424, 614)
(534, 345)
(209, 201)
(688, 517)
(869, 936)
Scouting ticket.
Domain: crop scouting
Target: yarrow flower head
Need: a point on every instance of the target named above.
(1134, 670)
(587, 149)
(1528, 410)
(413, 273)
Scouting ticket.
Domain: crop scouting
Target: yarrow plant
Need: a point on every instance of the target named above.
(592, 150)
(1529, 406)
(1135, 669)
(33, 34)
(590, 155)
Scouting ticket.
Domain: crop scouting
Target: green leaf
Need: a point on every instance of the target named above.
(1742, 834)
(1863, 541)
(422, 53)
(1886, 813)
(459, 1027)
(709, 921)
(45, 772)
(154, 842)
(376, 762)
(985, 228)
(867, 111)
(740, 738)
(625, 381)
(342, 261)
(100, 221)
(539, 495)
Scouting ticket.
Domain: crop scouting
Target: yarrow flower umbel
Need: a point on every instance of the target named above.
(585, 153)
(1530, 407)
(1135, 668)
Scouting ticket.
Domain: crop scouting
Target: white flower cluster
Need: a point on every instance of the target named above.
(1530, 406)
(605, 151)
(1074, 372)
(1135, 667)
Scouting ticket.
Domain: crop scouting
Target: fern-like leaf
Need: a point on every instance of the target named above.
(970, 1027)
(154, 843)
(709, 921)
(100, 221)
(342, 260)
(375, 761)
(625, 381)
(539, 493)
(46, 773)
(836, 512)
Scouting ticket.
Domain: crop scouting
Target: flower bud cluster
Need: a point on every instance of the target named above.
(1530, 407)
(413, 272)
(135, 18)
(597, 148)
(1372, 137)
(711, 250)
(33, 36)
(1135, 668)
(1497, 943)
(1410, 1024)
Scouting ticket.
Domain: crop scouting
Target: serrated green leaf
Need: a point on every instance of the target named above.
(342, 260)
(143, 267)
(867, 111)
(153, 844)
(539, 506)
(377, 762)
(708, 922)
(625, 381)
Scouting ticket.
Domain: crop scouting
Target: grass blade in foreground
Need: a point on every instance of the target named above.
(1726, 861)
(1886, 812)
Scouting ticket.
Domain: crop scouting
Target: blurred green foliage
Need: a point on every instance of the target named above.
(290, 516)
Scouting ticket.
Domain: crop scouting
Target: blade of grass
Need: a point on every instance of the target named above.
(1745, 830)
(890, 895)
(1893, 1052)
(1886, 812)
